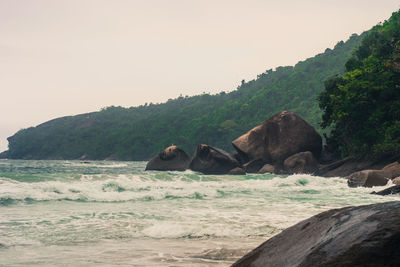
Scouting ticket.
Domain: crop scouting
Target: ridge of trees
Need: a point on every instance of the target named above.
(138, 133)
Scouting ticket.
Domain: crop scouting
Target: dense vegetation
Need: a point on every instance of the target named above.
(363, 106)
(137, 133)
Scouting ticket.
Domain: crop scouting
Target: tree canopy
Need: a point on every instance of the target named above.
(362, 107)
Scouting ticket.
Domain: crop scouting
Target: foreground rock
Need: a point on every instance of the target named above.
(279, 137)
(211, 160)
(367, 178)
(170, 159)
(303, 162)
(351, 236)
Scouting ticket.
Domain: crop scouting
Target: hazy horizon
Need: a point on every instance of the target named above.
(61, 58)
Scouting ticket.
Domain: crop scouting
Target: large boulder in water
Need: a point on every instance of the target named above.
(303, 162)
(211, 160)
(367, 178)
(279, 137)
(352, 236)
(392, 170)
(170, 159)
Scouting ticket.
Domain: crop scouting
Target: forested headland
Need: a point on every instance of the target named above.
(137, 133)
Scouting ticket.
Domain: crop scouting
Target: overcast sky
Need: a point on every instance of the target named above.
(67, 57)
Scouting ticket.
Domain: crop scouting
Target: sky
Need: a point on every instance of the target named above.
(66, 57)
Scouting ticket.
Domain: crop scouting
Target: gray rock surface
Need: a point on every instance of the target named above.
(352, 236)
(396, 181)
(345, 167)
(393, 190)
(253, 166)
(367, 178)
(267, 168)
(392, 170)
(211, 160)
(303, 162)
(237, 171)
(279, 137)
(170, 159)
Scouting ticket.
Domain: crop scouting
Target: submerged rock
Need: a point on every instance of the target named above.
(237, 171)
(367, 178)
(170, 159)
(303, 162)
(388, 191)
(396, 181)
(279, 137)
(211, 160)
(267, 168)
(352, 236)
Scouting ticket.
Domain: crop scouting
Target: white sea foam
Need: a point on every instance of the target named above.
(158, 186)
(80, 205)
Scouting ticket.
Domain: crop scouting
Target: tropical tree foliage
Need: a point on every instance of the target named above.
(363, 106)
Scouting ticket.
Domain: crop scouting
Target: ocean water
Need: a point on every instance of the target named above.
(74, 213)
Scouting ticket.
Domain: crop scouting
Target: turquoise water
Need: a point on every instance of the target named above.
(71, 213)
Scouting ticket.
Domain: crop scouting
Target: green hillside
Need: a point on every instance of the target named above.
(137, 133)
(363, 106)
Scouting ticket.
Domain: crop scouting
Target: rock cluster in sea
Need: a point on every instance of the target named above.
(284, 141)
(282, 144)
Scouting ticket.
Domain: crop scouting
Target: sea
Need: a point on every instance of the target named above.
(105, 213)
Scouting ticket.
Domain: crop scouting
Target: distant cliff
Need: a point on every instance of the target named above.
(137, 133)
